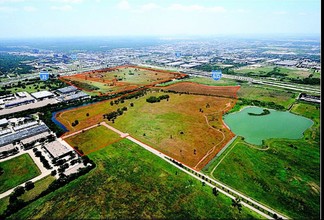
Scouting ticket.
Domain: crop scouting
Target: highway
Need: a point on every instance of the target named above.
(283, 85)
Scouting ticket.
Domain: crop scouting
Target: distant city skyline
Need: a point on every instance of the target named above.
(66, 18)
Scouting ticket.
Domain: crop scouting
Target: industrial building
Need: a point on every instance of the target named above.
(18, 102)
(22, 134)
(3, 122)
(67, 89)
(42, 95)
(57, 150)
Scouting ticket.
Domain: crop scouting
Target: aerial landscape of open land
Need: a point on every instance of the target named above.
(131, 109)
(119, 79)
(170, 125)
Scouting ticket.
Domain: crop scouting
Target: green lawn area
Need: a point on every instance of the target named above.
(40, 186)
(85, 141)
(286, 176)
(16, 171)
(267, 94)
(4, 202)
(291, 72)
(258, 70)
(205, 81)
(130, 182)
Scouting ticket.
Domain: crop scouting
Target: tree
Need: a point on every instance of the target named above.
(53, 173)
(18, 191)
(237, 203)
(131, 104)
(29, 185)
(215, 191)
(87, 114)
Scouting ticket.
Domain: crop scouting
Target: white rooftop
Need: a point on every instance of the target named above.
(57, 149)
(3, 121)
(42, 94)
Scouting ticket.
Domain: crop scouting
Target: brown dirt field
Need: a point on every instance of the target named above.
(195, 88)
(104, 78)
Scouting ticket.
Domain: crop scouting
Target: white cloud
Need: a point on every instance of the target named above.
(241, 11)
(280, 12)
(62, 8)
(149, 7)
(195, 8)
(302, 14)
(68, 1)
(11, 1)
(124, 5)
(30, 8)
(7, 9)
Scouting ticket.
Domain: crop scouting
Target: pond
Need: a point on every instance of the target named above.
(257, 126)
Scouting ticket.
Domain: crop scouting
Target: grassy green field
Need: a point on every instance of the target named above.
(291, 72)
(267, 94)
(93, 139)
(286, 176)
(40, 186)
(4, 202)
(204, 81)
(130, 182)
(17, 171)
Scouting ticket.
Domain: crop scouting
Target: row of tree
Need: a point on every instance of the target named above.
(153, 99)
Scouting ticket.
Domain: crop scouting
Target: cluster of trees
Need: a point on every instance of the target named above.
(114, 114)
(309, 80)
(63, 167)
(135, 95)
(10, 63)
(84, 86)
(271, 105)
(75, 123)
(42, 159)
(264, 112)
(153, 99)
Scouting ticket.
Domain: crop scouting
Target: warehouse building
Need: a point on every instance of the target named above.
(67, 89)
(42, 95)
(57, 150)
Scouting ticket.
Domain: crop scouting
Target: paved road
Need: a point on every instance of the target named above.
(78, 132)
(291, 86)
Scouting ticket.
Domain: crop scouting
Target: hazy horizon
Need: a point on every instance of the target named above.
(153, 18)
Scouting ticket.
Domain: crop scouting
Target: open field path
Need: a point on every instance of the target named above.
(228, 106)
(222, 188)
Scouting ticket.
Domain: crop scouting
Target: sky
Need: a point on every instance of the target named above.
(69, 18)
